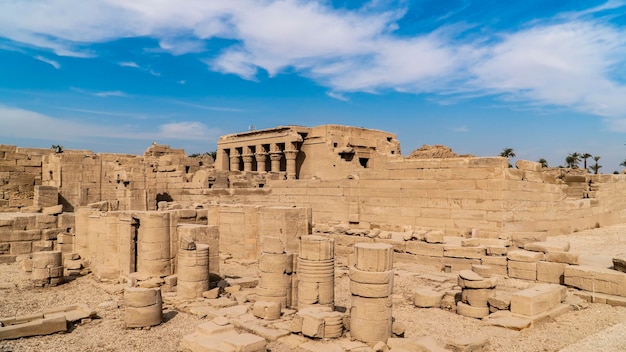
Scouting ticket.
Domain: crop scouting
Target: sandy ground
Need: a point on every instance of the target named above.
(594, 327)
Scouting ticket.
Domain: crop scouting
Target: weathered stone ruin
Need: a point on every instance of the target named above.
(308, 207)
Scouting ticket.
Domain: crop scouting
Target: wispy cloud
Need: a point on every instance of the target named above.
(113, 93)
(208, 107)
(48, 61)
(128, 64)
(338, 96)
(16, 122)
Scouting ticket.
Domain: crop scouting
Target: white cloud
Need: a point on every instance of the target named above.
(129, 64)
(338, 96)
(567, 61)
(20, 122)
(48, 61)
(113, 93)
(562, 64)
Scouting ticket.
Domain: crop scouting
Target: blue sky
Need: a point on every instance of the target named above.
(546, 78)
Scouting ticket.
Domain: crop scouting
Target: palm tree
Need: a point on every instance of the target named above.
(623, 163)
(508, 153)
(596, 166)
(543, 162)
(572, 160)
(585, 156)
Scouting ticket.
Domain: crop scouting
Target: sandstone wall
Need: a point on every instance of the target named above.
(20, 172)
(455, 195)
(83, 177)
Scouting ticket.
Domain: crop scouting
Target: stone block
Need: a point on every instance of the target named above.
(537, 299)
(546, 247)
(497, 250)
(482, 270)
(21, 248)
(53, 210)
(434, 237)
(423, 248)
(373, 256)
(551, 272)
(427, 298)
(596, 279)
(519, 239)
(522, 270)
(521, 255)
(34, 327)
(137, 317)
(464, 252)
(500, 301)
(266, 310)
(245, 342)
(469, 344)
(272, 245)
(619, 262)
(470, 311)
(477, 297)
(563, 257)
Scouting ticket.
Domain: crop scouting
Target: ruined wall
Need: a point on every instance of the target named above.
(20, 172)
(455, 195)
(83, 177)
(118, 243)
(22, 234)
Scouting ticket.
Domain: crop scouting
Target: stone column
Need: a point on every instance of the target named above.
(193, 271)
(275, 269)
(275, 159)
(371, 284)
(144, 307)
(247, 162)
(261, 158)
(234, 159)
(47, 268)
(153, 244)
(316, 272)
(291, 155)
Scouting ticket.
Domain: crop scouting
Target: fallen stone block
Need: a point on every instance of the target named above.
(43, 326)
(596, 279)
(537, 299)
(522, 270)
(506, 320)
(464, 252)
(469, 344)
(563, 257)
(427, 298)
(266, 310)
(423, 248)
(500, 301)
(619, 262)
(482, 270)
(551, 272)
(434, 237)
(470, 311)
(521, 255)
(497, 250)
(546, 247)
(477, 297)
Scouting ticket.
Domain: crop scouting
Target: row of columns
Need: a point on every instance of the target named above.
(275, 155)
